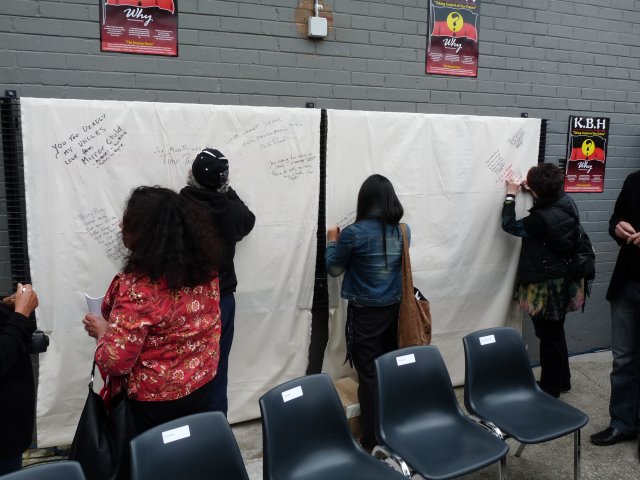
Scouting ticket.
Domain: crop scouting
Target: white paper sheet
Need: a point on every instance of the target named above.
(449, 173)
(82, 159)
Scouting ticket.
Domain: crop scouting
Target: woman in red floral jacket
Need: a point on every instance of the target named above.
(161, 335)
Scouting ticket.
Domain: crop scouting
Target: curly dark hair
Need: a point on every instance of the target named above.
(546, 180)
(169, 237)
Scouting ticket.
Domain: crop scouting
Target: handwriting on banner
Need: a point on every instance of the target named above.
(292, 166)
(180, 155)
(503, 171)
(264, 134)
(104, 229)
(517, 139)
(93, 143)
(348, 219)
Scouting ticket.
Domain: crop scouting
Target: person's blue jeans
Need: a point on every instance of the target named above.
(624, 405)
(218, 401)
(10, 465)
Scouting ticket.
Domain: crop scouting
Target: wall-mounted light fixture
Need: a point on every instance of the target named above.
(317, 25)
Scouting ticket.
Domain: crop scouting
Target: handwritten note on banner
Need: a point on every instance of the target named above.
(104, 229)
(268, 137)
(93, 143)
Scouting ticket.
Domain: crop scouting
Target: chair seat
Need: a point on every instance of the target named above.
(428, 450)
(343, 466)
(532, 416)
(306, 435)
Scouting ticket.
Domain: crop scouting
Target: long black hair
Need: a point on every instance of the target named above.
(169, 237)
(377, 199)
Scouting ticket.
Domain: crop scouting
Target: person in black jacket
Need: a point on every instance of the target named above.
(17, 390)
(546, 289)
(208, 185)
(624, 296)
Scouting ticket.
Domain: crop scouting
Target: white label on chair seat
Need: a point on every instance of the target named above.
(406, 359)
(487, 340)
(176, 434)
(291, 394)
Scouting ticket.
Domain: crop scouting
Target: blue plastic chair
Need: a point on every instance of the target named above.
(500, 389)
(306, 435)
(420, 422)
(49, 471)
(197, 447)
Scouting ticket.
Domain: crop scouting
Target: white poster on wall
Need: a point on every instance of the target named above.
(82, 159)
(449, 172)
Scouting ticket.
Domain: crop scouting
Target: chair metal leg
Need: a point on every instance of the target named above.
(502, 468)
(576, 454)
(520, 449)
(381, 452)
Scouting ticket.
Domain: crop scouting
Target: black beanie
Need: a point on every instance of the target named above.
(210, 168)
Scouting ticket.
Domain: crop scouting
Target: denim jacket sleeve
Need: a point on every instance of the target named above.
(338, 252)
(509, 222)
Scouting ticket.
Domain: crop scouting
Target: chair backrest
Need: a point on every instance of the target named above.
(200, 446)
(496, 364)
(414, 388)
(301, 419)
(49, 471)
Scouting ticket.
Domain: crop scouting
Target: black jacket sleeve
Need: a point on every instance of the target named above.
(15, 340)
(243, 219)
(620, 211)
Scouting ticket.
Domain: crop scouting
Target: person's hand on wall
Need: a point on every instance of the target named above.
(95, 325)
(25, 299)
(513, 186)
(333, 233)
(624, 230)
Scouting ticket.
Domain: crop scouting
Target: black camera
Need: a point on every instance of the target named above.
(39, 342)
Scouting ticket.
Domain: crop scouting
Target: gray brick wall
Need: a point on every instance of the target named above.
(549, 58)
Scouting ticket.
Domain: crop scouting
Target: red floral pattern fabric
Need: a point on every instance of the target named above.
(167, 341)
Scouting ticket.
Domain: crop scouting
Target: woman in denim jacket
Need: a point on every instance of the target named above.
(369, 253)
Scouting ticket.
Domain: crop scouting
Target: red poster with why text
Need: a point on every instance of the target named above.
(452, 47)
(586, 154)
(139, 26)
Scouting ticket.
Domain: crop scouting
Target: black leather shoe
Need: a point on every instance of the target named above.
(611, 436)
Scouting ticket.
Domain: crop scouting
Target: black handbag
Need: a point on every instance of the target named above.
(583, 262)
(101, 441)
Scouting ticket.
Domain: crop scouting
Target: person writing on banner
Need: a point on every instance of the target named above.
(208, 186)
(546, 289)
(160, 327)
(369, 253)
(17, 390)
(624, 297)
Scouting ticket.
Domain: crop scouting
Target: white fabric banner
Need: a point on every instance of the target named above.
(82, 159)
(449, 173)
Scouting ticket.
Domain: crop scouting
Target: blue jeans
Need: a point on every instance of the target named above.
(218, 401)
(624, 405)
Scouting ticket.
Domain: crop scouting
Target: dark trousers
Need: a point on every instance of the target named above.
(624, 405)
(375, 332)
(218, 401)
(9, 465)
(554, 356)
(149, 414)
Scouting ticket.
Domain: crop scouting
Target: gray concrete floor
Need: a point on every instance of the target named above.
(551, 460)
